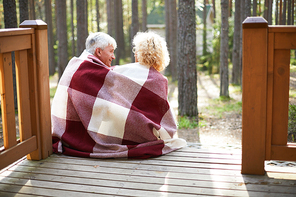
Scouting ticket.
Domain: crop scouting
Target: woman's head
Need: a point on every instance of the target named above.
(151, 50)
(99, 40)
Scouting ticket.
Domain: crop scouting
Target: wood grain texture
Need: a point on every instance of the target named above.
(22, 80)
(7, 101)
(18, 151)
(281, 80)
(180, 173)
(42, 73)
(15, 43)
(254, 99)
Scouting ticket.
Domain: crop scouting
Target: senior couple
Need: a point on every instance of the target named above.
(105, 111)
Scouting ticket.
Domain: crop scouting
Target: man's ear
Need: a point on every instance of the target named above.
(98, 52)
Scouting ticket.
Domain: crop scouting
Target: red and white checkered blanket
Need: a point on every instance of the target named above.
(120, 111)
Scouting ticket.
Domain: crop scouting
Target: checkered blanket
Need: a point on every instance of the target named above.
(105, 112)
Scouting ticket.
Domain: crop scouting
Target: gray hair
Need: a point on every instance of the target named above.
(99, 40)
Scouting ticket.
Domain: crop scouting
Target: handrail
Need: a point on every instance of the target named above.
(266, 74)
(32, 79)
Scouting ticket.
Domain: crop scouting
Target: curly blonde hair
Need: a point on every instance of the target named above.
(151, 50)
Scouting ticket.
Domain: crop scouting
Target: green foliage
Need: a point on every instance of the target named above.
(293, 63)
(292, 123)
(185, 122)
(125, 61)
(156, 16)
(211, 61)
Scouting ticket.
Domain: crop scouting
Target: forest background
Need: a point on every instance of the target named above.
(70, 21)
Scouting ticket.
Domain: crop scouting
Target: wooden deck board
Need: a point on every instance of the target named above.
(186, 172)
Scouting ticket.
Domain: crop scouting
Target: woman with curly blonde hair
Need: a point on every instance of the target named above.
(150, 50)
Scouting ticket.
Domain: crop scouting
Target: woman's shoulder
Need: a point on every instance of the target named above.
(130, 66)
(133, 71)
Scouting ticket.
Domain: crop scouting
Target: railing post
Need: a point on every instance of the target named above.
(255, 36)
(42, 84)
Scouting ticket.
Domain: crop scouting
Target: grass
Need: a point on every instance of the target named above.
(292, 68)
(292, 93)
(185, 122)
(233, 88)
(223, 104)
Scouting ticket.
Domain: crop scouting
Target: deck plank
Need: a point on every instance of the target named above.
(186, 172)
(67, 176)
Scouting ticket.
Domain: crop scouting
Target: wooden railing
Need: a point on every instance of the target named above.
(29, 43)
(266, 75)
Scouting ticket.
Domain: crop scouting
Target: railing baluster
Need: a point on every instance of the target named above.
(7, 101)
(22, 80)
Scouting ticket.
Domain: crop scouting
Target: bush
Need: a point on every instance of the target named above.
(292, 123)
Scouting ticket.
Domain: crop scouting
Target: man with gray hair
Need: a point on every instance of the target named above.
(80, 76)
(102, 46)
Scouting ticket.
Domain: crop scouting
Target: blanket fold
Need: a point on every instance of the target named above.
(105, 112)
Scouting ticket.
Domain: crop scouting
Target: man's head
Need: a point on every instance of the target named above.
(102, 46)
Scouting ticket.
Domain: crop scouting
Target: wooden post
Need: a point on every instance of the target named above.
(255, 36)
(42, 79)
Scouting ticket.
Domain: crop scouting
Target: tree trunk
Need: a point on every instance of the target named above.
(24, 10)
(247, 8)
(254, 7)
(121, 41)
(72, 28)
(86, 19)
(81, 26)
(242, 10)
(230, 8)
(282, 12)
(40, 12)
(214, 9)
(270, 5)
(32, 15)
(62, 36)
(144, 14)
(187, 77)
(204, 43)
(292, 14)
(98, 15)
(224, 82)
(135, 23)
(277, 12)
(173, 40)
(265, 13)
(289, 21)
(110, 17)
(119, 35)
(167, 33)
(268, 11)
(10, 21)
(236, 69)
(48, 19)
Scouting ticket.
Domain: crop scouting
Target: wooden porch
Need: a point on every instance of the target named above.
(193, 171)
(196, 170)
